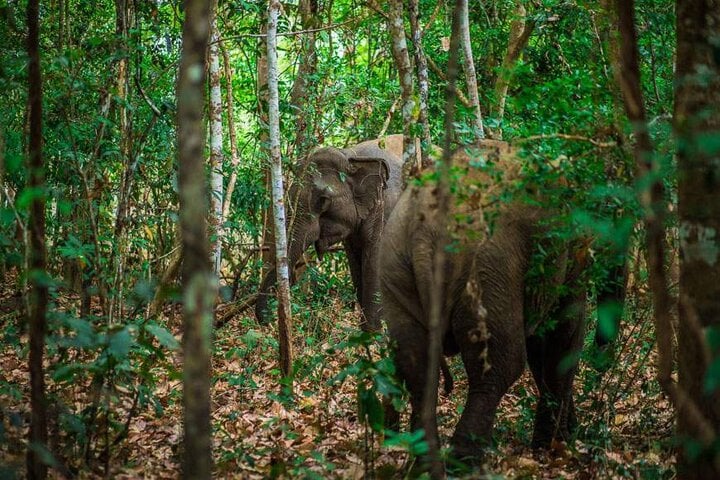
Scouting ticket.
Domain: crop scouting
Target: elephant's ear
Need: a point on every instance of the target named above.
(369, 177)
(370, 171)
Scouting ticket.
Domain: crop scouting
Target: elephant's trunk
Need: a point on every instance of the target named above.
(302, 234)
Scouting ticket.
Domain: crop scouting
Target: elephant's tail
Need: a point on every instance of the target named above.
(449, 384)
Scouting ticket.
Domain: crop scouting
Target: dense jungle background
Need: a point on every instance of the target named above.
(121, 121)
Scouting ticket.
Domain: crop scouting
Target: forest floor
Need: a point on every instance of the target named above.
(626, 425)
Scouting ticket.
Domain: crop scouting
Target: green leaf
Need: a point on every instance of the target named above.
(371, 409)
(7, 217)
(708, 143)
(712, 377)
(163, 336)
(67, 372)
(414, 442)
(84, 337)
(568, 362)
(713, 338)
(73, 423)
(44, 455)
(385, 386)
(251, 338)
(608, 312)
(28, 195)
(120, 344)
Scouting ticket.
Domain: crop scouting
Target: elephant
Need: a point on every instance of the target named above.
(497, 312)
(344, 196)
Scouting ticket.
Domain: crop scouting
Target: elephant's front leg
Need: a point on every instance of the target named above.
(354, 256)
(409, 339)
(369, 292)
(364, 271)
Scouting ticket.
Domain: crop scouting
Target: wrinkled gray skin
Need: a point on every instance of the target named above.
(499, 264)
(344, 196)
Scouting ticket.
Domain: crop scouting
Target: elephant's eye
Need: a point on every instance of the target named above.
(343, 176)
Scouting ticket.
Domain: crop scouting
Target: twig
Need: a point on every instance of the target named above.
(11, 204)
(131, 414)
(565, 136)
(168, 276)
(291, 34)
(144, 96)
(166, 255)
(234, 155)
(432, 18)
(372, 5)
(390, 114)
(664, 116)
(460, 95)
(102, 290)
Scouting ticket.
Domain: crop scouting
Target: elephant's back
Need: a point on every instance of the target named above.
(413, 227)
(390, 144)
(389, 148)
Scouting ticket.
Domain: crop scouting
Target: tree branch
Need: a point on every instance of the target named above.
(564, 136)
(292, 34)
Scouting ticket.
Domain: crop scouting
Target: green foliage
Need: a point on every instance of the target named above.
(163, 336)
(375, 377)
(413, 442)
(712, 374)
(562, 85)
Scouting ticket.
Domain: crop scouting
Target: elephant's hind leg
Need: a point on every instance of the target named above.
(505, 354)
(553, 360)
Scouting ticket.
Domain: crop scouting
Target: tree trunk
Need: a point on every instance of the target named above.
(38, 293)
(87, 226)
(199, 287)
(216, 147)
(423, 85)
(470, 75)
(520, 31)
(61, 26)
(268, 232)
(697, 126)
(281, 259)
(122, 13)
(402, 63)
(234, 156)
(307, 66)
(436, 327)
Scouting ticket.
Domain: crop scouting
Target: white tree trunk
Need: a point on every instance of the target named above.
(423, 83)
(405, 73)
(216, 148)
(469, 65)
(281, 257)
(520, 31)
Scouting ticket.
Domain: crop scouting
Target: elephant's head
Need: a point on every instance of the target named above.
(336, 193)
